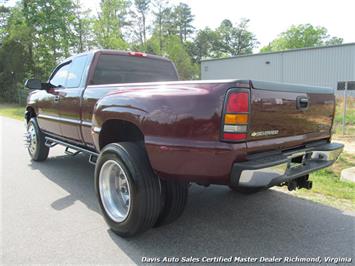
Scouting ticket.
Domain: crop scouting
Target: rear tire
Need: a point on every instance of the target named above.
(36, 142)
(173, 201)
(140, 189)
(246, 190)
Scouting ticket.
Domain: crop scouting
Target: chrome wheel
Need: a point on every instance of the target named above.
(32, 139)
(115, 191)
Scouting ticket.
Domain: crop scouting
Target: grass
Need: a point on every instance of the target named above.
(12, 110)
(328, 188)
(349, 117)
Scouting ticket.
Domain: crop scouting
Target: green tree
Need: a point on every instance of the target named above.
(15, 60)
(84, 26)
(170, 36)
(301, 36)
(36, 34)
(205, 44)
(235, 40)
(12, 69)
(184, 19)
(4, 15)
(169, 22)
(176, 52)
(173, 20)
(52, 31)
(108, 26)
(226, 40)
(139, 14)
(152, 45)
(159, 12)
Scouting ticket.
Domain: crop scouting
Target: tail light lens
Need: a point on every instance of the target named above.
(236, 137)
(238, 102)
(236, 116)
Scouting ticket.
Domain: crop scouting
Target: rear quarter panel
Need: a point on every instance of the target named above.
(181, 126)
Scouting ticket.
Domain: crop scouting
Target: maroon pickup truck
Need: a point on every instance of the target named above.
(150, 135)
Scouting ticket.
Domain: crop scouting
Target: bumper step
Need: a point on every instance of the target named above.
(277, 169)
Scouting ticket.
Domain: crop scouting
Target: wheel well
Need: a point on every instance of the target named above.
(30, 112)
(118, 131)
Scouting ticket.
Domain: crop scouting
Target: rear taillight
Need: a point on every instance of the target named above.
(238, 102)
(236, 116)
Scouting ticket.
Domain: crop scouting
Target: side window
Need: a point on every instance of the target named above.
(60, 76)
(76, 72)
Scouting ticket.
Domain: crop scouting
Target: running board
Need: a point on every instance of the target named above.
(51, 142)
(69, 152)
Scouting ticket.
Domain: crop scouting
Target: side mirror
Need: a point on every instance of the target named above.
(33, 84)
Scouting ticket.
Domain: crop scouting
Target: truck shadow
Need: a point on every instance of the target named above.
(73, 174)
(218, 222)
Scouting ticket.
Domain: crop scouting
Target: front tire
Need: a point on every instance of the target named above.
(36, 142)
(128, 191)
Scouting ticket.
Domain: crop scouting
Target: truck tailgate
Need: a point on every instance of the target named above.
(288, 115)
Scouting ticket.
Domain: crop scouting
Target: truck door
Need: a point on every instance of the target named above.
(48, 113)
(69, 102)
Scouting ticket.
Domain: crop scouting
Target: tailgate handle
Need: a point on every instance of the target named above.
(302, 103)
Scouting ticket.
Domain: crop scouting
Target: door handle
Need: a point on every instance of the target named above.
(56, 98)
(302, 103)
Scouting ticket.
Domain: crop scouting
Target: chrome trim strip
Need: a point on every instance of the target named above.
(86, 123)
(66, 120)
(60, 119)
(47, 117)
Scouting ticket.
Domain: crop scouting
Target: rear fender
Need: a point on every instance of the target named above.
(104, 113)
(180, 130)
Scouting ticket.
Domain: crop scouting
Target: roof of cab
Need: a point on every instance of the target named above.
(128, 53)
(115, 52)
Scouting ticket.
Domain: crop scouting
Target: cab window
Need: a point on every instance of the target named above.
(76, 72)
(60, 76)
(127, 69)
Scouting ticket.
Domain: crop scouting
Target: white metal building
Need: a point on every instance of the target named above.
(322, 66)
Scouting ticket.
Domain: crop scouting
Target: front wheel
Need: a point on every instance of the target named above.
(127, 188)
(35, 141)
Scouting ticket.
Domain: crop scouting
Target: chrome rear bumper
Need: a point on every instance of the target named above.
(276, 169)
